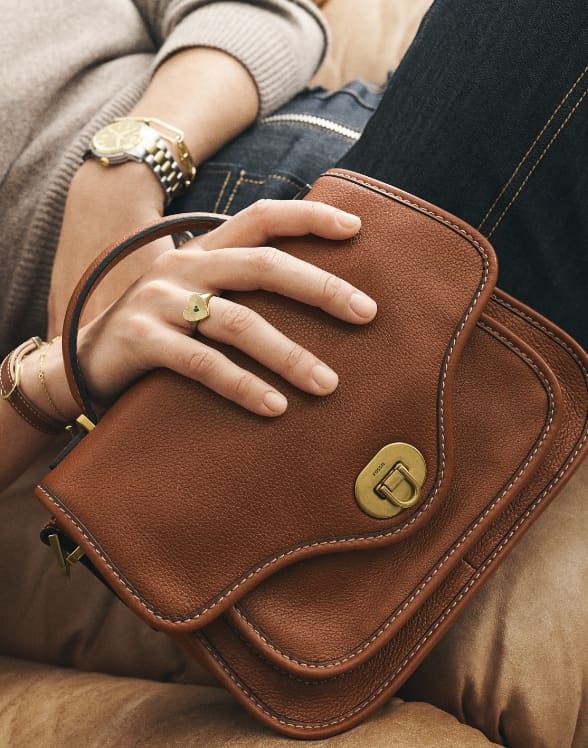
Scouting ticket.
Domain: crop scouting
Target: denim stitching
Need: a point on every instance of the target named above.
(538, 161)
(239, 182)
(533, 144)
(296, 184)
(222, 191)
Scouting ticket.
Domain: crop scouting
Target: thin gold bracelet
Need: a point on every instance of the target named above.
(41, 375)
(10, 392)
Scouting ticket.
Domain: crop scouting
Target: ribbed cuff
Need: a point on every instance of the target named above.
(281, 47)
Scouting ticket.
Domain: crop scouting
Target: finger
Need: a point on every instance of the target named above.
(195, 360)
(248, 331)
(270, 218)
(270, 269)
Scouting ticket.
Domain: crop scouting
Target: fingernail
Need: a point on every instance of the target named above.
(362, 305)
(324, 377)
(275, 402)
(348, 220)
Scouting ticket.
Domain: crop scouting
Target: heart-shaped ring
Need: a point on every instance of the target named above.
(197, 308)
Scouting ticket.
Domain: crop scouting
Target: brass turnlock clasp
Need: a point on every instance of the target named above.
(391, 481)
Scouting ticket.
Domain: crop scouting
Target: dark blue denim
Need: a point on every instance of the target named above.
(277, 158)
(486, 117)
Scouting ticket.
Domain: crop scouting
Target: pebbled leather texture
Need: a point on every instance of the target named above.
(247, 545)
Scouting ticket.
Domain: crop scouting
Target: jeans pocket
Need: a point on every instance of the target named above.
(228, 188)
(284, 152)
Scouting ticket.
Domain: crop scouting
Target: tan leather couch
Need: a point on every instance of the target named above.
(68, 649)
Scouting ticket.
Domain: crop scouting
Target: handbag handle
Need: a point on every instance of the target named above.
(99, 268)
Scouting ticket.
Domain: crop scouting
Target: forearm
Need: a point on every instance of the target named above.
(206, 93)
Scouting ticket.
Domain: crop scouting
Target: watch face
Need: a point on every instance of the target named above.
(117, 137)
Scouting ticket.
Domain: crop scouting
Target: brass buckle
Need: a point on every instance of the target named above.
(391, 481)
(65, 562)
(400, 487)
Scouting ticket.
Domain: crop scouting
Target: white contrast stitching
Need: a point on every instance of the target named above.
(384, 627)
(548, 489)
(546, 330)
(425, 638)
(152, 610)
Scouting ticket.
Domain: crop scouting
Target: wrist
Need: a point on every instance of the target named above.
(44, 383)
(95, 185)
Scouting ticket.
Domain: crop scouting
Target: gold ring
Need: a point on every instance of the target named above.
(197, 308)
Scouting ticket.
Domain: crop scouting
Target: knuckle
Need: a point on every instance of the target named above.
(200, 362)
(294, 356)
(167, 261)
(243, 388)
(265, 259)
(332, 287)
(261, 209)
(237, 319)
(316, 209)
(154, 291)
(139, 326)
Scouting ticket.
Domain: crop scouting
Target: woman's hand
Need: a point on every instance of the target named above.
(145, 328)
(103, 205)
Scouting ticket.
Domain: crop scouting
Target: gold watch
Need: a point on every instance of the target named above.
(143, 139)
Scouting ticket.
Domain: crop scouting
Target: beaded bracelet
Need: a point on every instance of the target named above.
(10, 391)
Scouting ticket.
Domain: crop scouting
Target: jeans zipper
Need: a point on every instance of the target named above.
(313, 121)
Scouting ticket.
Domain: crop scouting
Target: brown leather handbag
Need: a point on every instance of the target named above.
(311, 561)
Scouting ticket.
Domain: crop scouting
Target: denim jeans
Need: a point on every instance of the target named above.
(486, 117)
(285, 152)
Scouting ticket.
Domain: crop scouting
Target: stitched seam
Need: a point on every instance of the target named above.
(384, 627)
(15, 404)
(238, 183)
(234, 191)
(222, 190)
(538, 161)
(535, 323)
(20, 408)
(533, 144)
(296, 184)
(338, 541)
(266, 663)
(514, 530)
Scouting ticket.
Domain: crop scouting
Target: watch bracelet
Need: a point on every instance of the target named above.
(162, 163)
(157, 154)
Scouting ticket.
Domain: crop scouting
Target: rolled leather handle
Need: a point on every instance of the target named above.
(99, 268)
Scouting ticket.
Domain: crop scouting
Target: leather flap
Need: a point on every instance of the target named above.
(185, 502)
(506, 418)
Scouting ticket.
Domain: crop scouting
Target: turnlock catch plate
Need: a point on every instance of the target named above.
(391, 481)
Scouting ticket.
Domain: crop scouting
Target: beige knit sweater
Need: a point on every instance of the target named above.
(66, 69)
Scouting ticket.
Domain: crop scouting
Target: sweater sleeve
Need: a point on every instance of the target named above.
(280, 42)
